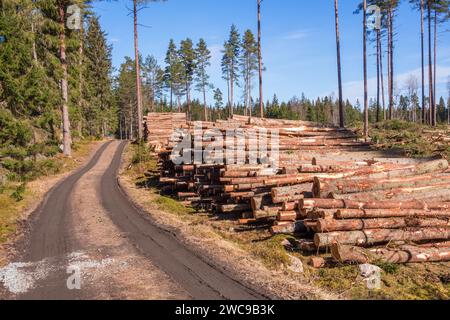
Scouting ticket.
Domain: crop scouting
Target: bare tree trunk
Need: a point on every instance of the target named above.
(67, 139)
(33, 31)
(338, 49)
(382, 80)
(366, 102)
(80, 75)
(171, 98)
(435, 67)
(423, 60)
(378, 75)
(232, 89)
(430, 68)
(138, 74)
(188, 101)
(391, 63)
(204, 103)
(261, 103)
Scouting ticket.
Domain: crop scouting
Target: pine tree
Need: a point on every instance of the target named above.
(153, 77)
(249, 66)
(218, 98)
(203, 57)
(188, 61)
(339, 67)
(230, 62)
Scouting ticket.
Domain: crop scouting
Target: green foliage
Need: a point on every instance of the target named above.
(18, 194)
(141, 153)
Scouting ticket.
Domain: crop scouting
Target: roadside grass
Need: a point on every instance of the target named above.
(271, 252)
(16, 197)
(401, 282)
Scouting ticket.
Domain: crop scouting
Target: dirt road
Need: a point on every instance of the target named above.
(88, 241)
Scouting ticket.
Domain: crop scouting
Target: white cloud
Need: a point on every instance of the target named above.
(353, 90)
(114, 40)
(296, 35)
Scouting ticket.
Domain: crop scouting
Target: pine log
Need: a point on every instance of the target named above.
(376, 236)
(289, 228)
(404, 254)
(430, 204)
(227, 208)
(323, 187)
(330, 225)
(289, 215)
(389, 213)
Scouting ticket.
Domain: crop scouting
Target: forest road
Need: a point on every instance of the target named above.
(88, 241)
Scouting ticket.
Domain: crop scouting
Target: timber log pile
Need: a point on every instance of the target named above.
(350, 207)
(159, 127)
(245, 190)
(406, 207)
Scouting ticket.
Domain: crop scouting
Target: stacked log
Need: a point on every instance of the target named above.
(325, 201)
(160, 126)
(255, 191)
(353, 216)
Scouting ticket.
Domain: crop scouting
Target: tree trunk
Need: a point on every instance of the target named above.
(391, 62)
(382, 80)
(67, 139)
(332, 225)
(204, 104)
(435, 67)
(389, 213)
(80, 75)
(261, 103)
(430, 69)
(366, 102)
(171, 98)
(377, 236)
(188, 101)
(138, 75)
(404, 254)
(33, 31)
(232, 89)
(378, 75)
(338, 49)
(423, 59)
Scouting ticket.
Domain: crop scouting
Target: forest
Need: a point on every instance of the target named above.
(58, 84)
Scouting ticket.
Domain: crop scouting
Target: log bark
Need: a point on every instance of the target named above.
(289, 228)
(330, 225)
(430, 204)
(377, 236)
(323, 188)
(389, 213)
(404, 254)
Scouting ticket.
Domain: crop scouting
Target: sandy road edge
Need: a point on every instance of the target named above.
(224, 255)
(14, 247)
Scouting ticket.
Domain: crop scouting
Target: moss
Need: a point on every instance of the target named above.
(271, 252)
(172, 206)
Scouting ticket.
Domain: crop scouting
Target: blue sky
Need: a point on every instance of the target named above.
(298, 41)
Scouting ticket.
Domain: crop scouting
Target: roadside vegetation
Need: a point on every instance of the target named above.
(25, 164)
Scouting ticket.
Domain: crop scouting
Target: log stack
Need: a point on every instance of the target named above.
(256, 191)
(320, 191)
(398, 204)
(159, 127)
